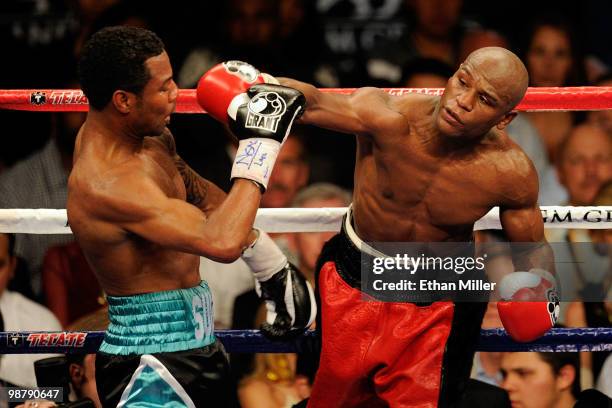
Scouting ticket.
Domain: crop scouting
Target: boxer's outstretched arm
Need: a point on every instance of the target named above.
(145, 210)
(362, 112)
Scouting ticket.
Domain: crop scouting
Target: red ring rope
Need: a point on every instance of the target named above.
(536, 99)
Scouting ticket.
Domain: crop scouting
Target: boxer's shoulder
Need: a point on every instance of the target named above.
(517, 175)
(420, 104)
(381, 110)
(501, 163)
(117, 195)
(166, 139)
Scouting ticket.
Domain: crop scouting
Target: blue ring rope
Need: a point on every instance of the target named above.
(252, 341)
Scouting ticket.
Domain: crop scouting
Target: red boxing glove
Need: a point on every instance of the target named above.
(258, 113)
(224, 83)
(532, 306)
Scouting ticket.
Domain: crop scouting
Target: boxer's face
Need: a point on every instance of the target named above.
(475, 100)
(158, 98)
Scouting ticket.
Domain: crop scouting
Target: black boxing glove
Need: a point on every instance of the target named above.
(290, 301)
(261, 118)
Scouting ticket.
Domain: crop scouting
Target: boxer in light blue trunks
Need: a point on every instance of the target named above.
(143, 219)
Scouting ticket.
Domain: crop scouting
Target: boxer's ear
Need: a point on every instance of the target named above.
(123, 101)
(506, 120)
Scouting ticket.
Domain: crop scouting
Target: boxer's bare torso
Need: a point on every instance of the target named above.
(103, 172)
(413, 185)
(428, 167)
(141, 215)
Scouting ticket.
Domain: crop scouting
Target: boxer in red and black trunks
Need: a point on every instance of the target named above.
(404, 354)
(416, 154)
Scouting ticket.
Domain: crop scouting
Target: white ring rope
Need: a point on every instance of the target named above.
(48, 221)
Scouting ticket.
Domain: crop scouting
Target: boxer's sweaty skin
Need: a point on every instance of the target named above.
(422, 175)
(142, 217)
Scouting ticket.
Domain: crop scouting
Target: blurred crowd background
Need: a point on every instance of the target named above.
(331, 43)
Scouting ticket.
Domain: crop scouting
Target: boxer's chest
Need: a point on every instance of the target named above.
(451, 190)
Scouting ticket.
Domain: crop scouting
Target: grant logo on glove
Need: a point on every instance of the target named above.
(246, 72)
(265, 111)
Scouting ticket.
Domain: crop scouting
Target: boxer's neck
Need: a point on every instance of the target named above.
(115, 128)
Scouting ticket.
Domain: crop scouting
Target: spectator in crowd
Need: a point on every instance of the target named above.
(74, 374)
(426, 73)
(308, 245)
(274, 382)
(541, 380)
(290, 174)
(90, 14)
(604, 383)
(603, 237)
(487, 365)
(19, 313)
(40, 181)
(248, 32)
(275, 35)
(82, 375)
(584, 165)
(437, 29)
(595, 311)
(553, 59)
(602, 118)
(436, 32)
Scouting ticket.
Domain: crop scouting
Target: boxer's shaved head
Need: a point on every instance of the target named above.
(504, 70)
(483, 92)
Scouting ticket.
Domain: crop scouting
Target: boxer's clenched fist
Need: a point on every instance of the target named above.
(259, 114)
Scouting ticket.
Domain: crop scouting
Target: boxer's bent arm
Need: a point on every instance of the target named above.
(525, 225)
(146, 211)
(200, 192)
(520, 214)
(362, 112)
